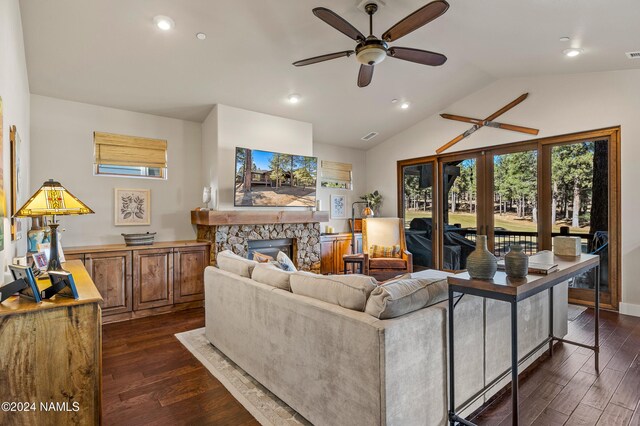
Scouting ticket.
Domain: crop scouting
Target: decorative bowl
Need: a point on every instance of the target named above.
(139, 239)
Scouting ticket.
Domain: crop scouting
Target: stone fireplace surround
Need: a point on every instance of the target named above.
(225, 230)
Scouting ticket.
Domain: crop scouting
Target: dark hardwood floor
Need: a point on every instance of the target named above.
(150, 378)
(565, 389)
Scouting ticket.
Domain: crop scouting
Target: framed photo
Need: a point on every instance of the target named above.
(16, 182)
(338, 206)
(132, 207)
(45, 248)
(40, 259)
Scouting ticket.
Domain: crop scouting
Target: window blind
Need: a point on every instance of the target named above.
(121, 150)
(336, 172)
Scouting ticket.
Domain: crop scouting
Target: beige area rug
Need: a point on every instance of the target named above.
(262, 404)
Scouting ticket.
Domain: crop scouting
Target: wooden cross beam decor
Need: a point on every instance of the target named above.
(477, 123)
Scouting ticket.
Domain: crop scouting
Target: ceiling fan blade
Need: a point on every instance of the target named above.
(323, 58)
(420, 17)
(338, 23)
(423, 57)
(365, 75)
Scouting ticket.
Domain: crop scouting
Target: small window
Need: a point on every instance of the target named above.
(110, 169)
(129, 156)
(335, 175)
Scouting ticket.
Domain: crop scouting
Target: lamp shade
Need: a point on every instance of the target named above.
(52, 199)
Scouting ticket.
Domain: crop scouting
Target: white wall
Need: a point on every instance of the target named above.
(344, 155)
(556, 105)
(14, 90)
(62, 149)
(241, 128)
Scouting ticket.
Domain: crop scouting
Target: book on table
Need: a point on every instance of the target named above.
(537, 265)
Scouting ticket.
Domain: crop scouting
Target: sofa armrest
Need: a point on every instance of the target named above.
(406, 255)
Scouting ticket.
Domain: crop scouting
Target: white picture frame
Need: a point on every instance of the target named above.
(132, 207)
(338, 206)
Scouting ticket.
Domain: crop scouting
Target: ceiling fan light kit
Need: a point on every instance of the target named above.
(372, 50)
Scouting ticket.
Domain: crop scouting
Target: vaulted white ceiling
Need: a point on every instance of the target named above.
(108, 52)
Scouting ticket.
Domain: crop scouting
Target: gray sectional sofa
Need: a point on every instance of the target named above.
(341, 366)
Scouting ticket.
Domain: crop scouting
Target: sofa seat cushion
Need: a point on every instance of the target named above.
(404, 295)
(387, 263)
(270, 274)
(348, 291)
(231, 262)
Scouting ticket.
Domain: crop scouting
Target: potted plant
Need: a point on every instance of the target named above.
(374, 199)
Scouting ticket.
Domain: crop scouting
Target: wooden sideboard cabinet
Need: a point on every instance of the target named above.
(51, 356)
(332, 248)
(146, 280)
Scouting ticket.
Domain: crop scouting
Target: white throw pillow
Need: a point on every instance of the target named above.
(231, 262)
(399, 297)
(267, 273)
(285, 263)
(349, 291)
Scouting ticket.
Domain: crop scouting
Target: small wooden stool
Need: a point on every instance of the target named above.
(355, 260)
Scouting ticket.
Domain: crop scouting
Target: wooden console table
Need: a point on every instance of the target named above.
(138, 281)
(512, 291)
(51, 353)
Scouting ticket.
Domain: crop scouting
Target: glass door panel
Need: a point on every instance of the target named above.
(580, 206)
(418, 208)
(459, 211)
(515, 199)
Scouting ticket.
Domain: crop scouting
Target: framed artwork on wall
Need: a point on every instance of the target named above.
(338, 208)
(16, 183)
(132, 207)
(3, 198)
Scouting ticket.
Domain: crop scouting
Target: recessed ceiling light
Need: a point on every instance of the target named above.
(404, 105)
(572, 52)
(564, 39)
(164, 22)
(294, 98)
(394, 101)
(201, 36)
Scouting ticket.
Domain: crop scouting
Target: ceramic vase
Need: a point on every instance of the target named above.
(482, 264)
(516, 263)
(34, 236)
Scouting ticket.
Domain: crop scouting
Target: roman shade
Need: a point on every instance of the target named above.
(336, 173)
(121, 150)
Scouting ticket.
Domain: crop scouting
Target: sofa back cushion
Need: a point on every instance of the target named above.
(231, 262)
(270, 274)
(348, 291)
(404, 295)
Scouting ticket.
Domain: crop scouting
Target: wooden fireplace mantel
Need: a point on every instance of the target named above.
(257, 217)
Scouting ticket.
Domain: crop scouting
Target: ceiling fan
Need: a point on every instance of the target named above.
(372, 50)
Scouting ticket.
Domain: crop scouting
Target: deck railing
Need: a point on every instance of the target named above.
(527, 239)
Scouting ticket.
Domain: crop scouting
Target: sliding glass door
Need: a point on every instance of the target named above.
(417, 205)
(580, 206)
(522, 193)
(514, 200)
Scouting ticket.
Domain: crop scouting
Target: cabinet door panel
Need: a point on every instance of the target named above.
(327, 257)
(189, 264)
(152, 278)
(111, 273)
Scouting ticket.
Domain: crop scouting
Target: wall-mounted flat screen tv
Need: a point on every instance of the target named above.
(272, 179)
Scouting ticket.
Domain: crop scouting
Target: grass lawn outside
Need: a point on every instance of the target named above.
(507, 221)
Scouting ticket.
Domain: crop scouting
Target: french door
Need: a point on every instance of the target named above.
(522, 193)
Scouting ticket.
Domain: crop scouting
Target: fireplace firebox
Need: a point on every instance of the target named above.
(271, 247)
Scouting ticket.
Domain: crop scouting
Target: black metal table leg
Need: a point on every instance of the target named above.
(597, 322)
(514, 363)
(452, 404)
(551, 322)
